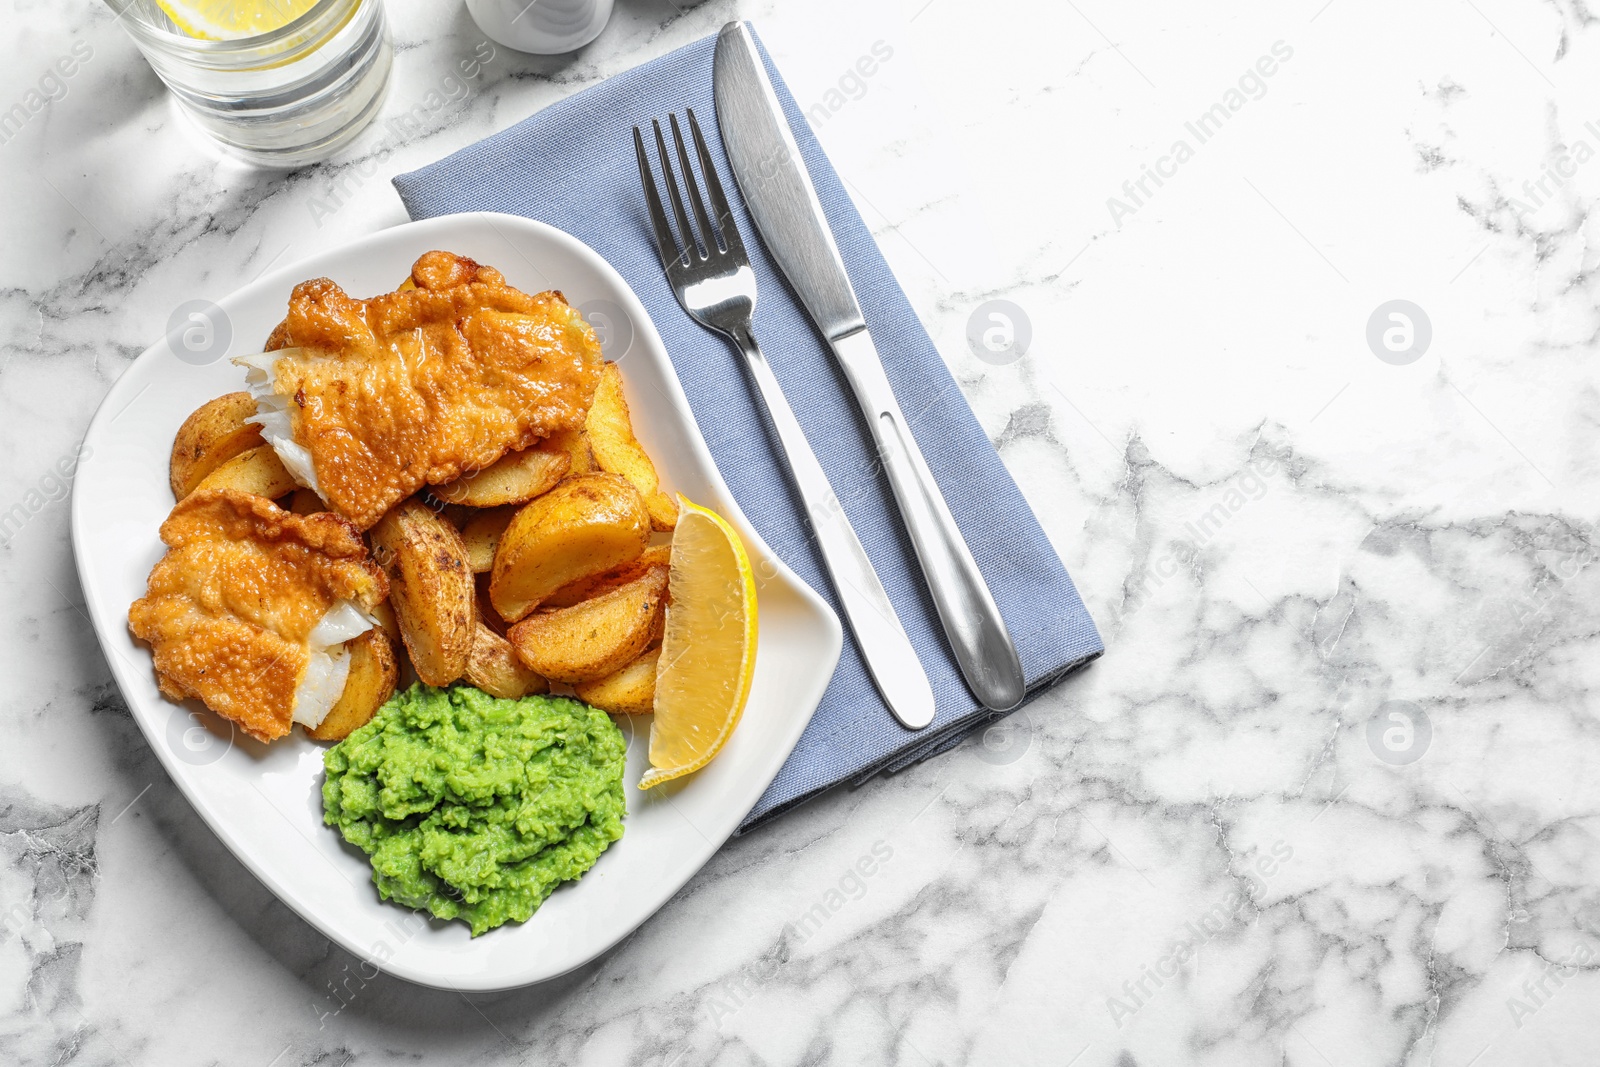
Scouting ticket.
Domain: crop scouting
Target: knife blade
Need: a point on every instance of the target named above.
(788, 214)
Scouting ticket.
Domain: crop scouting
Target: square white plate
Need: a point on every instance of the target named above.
(264, 801)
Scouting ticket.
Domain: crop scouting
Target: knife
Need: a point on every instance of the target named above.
(783, 202)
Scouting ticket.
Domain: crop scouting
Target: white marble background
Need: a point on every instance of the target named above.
(1418, 533)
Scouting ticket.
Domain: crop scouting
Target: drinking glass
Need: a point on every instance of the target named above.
(283, 98)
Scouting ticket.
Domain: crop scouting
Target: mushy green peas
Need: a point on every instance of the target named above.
(474, 807)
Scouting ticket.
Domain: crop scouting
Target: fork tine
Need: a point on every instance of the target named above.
(666, 243)
(708, 234)
(719, 201)
(690, 246)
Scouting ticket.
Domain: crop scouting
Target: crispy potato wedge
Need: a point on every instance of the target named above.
(575, 443)
(616, 449)
(596, 584)
(595, 638)
(660, 629)
(495, 668)
(482, 535)
(278, 338)
(386, 620)
(430, 589)
(514, 478)
(208, 438)
(585, 525)
(630, 691)
(258, 471)
(374, 670)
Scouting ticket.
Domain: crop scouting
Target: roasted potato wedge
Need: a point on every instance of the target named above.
(482, 535)
(575, 443)
(258, 471)
(514, 478)
(630, 691)
(495, 668)
(585, 525)
(595, 638)
(595, 584)
(618, 451)
(212, 435)
(374, 670)
(659, 631)
(430, 589)
(386, 620)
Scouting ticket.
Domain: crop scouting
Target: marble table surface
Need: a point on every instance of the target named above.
(1322, 802)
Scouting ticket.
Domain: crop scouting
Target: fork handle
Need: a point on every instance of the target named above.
(972, 621)
(885, 648)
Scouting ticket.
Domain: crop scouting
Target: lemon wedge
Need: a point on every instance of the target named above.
(708, 652)
(226, 20)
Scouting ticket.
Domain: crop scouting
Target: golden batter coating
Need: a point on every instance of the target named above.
(419, 386)
(230, 606)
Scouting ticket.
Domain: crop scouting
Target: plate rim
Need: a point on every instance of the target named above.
(114, 399)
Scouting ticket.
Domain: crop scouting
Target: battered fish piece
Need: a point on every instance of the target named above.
(367, 401)
(249, 609)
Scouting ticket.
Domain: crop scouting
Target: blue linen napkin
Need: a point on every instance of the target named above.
(572, 165)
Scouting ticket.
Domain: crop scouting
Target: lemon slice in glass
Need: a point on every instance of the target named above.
(708, 653)
(227, 20)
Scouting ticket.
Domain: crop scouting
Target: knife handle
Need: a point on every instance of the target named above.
(972, 621)
(879, 634)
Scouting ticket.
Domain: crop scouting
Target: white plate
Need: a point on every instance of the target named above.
(264, 801)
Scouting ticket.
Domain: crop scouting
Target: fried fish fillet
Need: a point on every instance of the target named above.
(367, 401)
(251, 605)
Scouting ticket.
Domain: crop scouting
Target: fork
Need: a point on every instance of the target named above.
(711, 277)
